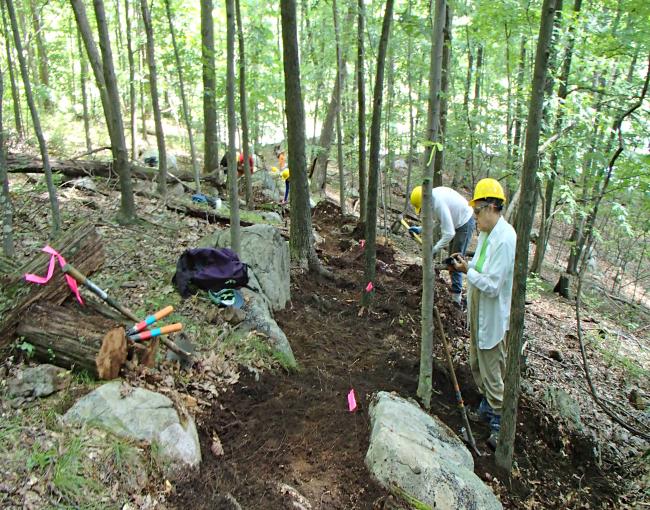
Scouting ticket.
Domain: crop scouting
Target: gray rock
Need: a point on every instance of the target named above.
(267, 254)
(563, 405)
(419, 457)
(271, 216)
(150, 158)
(39, 381)
(141, 415)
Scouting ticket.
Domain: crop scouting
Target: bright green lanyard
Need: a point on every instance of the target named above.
(481, 256)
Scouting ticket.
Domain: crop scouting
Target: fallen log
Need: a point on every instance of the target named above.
(74, 168)
(80, 245)
(67, 336)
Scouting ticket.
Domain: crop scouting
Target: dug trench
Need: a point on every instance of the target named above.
(296, 429)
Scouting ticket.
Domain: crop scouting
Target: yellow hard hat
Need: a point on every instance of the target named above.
(416, 198)
(487, 188)
(274, 169)
(285, 174)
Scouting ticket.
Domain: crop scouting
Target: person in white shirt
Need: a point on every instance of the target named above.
(489, 282)
(457, 225)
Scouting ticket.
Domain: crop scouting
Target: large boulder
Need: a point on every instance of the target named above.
(420, 458)
(141, 415)
(267, 254)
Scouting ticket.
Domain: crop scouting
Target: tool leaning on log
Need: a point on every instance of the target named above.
(72, 271)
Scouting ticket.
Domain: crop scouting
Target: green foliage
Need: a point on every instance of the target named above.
(27, 348)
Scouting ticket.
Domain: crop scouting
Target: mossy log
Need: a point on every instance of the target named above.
(80, 246)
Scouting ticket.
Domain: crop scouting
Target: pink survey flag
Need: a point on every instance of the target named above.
(42, 280)
(352, 402)
(369, 287)
(362, 243)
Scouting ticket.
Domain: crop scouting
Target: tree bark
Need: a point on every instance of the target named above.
(83, 78)
(155, 104)
(210, 137)
(133, 128)
(439, 158)
(80, 246)
(525, 217)
(54, 203)
(375, 142)
(243, 106)
(433, 145)
(43, 65)
(339, 131)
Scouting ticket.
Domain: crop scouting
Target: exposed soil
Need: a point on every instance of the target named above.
(296, 429)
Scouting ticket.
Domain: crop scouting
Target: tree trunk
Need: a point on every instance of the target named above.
(83, 78)
(248, 171)
(339, 137)
(439, 158)
(519, 101)
(525, 216)
(80, 246)
(132, 96)
(211, 156)
(15, 94)
(186, 110)
(361, 92)
(235, 233)
(433, 145)
(155, 104)
(54, 203)
(300, 236)
(43, 65)
(6, 209)
(563, 92)
(375, 142)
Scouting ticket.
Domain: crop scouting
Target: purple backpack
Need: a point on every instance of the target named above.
(209, 269)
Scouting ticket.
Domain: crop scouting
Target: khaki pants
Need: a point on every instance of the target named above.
(488, 365)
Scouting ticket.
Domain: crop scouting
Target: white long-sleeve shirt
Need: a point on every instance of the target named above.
(494, 282)
(452, 211)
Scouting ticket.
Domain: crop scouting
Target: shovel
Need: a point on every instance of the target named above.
(72, 271)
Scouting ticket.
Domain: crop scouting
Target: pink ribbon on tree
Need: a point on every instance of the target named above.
(369, 287)
(41, 280)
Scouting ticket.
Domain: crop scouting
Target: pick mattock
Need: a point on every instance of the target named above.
(72, 271)
(450, 362)
(401, 222)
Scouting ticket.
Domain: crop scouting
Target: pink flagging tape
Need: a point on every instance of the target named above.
(369, 287)
(362, 243)
(42, 280)
(352, 402)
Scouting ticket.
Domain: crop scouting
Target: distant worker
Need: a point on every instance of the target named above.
(489, 283)
(456, 224)
(240, 163)
(282, 158)
(285, 177)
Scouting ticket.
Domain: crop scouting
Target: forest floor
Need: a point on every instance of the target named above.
(294, 429)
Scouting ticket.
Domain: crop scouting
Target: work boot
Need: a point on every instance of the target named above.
(495, 427)
(483, 413)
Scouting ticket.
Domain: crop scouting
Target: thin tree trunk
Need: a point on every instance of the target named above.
(54, 203)
(155, 104)
(43, 65)
(235, 232)
(409, 82)
(244, 110)
(439, 158)
(15, 94)
(375, 142)
(433, 145)
(339, 137)
(525, 216)
(83, 77)
(6, 208)
(563, 92)
(300, 235)
(210, 159)
(361, 92)
(143, 105)
(132, 95)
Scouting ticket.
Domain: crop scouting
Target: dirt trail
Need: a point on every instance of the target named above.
(295, 429)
